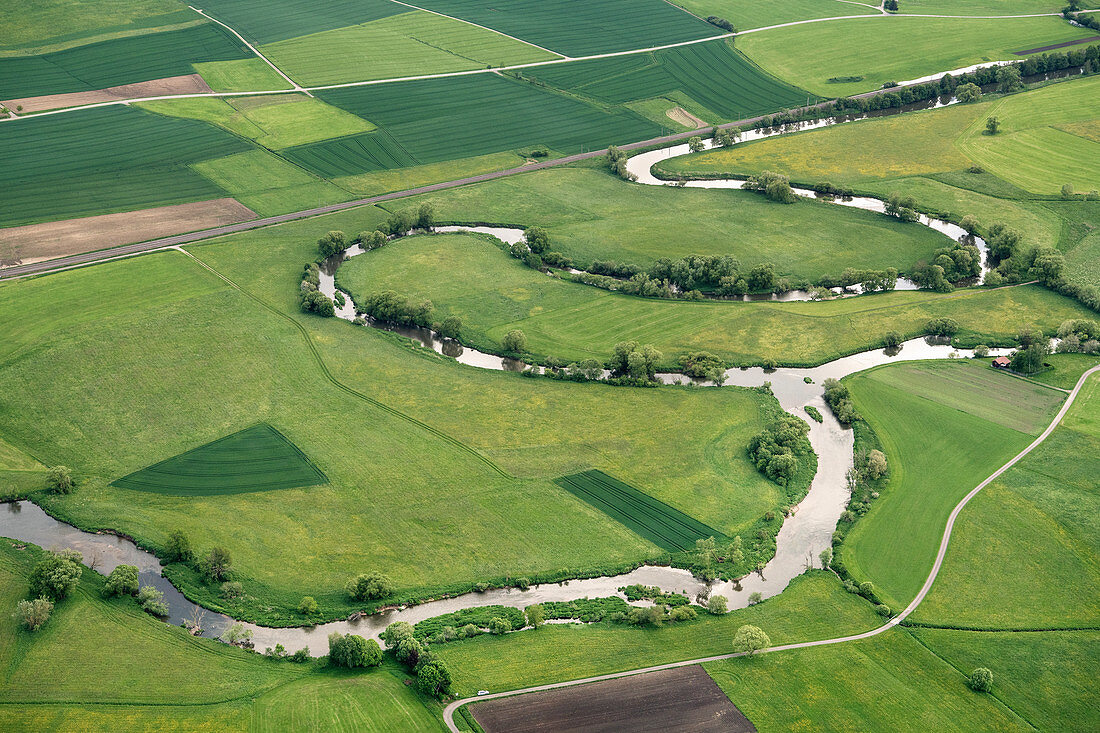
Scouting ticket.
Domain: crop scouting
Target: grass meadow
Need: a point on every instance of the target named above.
(30, 26)
(748, 14)
(944, 426)
(809, 55)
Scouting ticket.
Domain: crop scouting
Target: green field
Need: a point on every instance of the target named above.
(937, 453)
(433, 120)
(809, 55)
(120, 61)
(664, 526)
(259, 458)
(31, 26)
(711, 80)
(746, 14)
(408, 44)
(267, 21)
(986, 7)
(493, 293)
(137, 673)
(272, 120)
(597, 26)
(103, 160)
(1035, 531)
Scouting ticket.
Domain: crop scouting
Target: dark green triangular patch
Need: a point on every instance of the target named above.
(259, 458)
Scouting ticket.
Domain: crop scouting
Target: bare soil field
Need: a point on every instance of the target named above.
(37, 242)
(681, 115)
(684, 699)
(186, 84)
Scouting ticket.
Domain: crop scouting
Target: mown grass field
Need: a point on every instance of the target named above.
(986, 7)
(809, 55)
(747, 14)
(494, 293)
(424, 440)
(137, 673)
(594, 216)
(104, 160)
(889, 681)
(937, 453)
(120, 61)
(664, 526)
(1065, 369)
(242, 75)
(599, 26)
(1035, 530)
(408, 44)
(27, 26)
(259, 458)
(718, 82)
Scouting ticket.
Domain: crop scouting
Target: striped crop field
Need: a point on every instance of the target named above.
(667, 527)
(259, 458)
(433, 120)
(119, 61)
(718, 78)
(581, 28)
(267, 21)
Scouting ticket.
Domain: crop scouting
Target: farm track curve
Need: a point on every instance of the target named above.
(449, 711)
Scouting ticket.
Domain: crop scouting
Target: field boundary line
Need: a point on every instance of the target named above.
(297, 87)
(449, 711)
(478, 25)
(455, 442)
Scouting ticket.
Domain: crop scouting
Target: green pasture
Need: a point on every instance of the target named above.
(268, 184)
(937, 453)
(98, 161)
(596, 26)
(1035, 531)
(267, 21)
(119, 61)
(719, 81)
(241, 75)
(259, 458)
(493, 293)
(748, 14)
(813, 606)
(986, 7)
(272, 120)
(137, 673)
(408, 44)
(434, 120)
(664, 526)
(1065, 369)
(889, 681)
(809, 55)
(26, 26)
(1045, 677)
(594, 216)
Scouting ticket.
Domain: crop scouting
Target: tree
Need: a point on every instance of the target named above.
(353, 651)
(535, 616)
(755, 597)
(537, 240)
(736, 553)
(1067, 191)
(33, 614)
(717, 605)
(217, 565)
(1008, 79)
(970, 224)
(451, 327)
(826, 557)
(876, 464)
(498, 626)
(331, 243)
(178, 547)
(750, 639)
(395, 633)
(59, 480)
(1048, 265)
(890, 6)
(433, 678)
(695, 144)
(515, 341)
(981, 680)
(123, 580)
(307, 606)
(399, 223)
(237, 635)
(369, 586)
(892, 340)
(56, 575)
(992, 126)
(941, 327)
(372, 240)
(1030, 359)
(313, 301)
(409, 651)
(637, 362)
(152, 601)
(901, 207)
(981, 351)
(425, 216)
(968, 92)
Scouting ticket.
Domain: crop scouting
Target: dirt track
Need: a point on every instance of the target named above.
(186, 84)
(684, 699)
(38, 242)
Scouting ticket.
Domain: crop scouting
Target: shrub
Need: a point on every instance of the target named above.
(650, 616)
(867, 589)
(981, 680)
(152, 601)
(392, 307)
(981, 351)
(33, 614)
(875, 466)
(968, 92)
(498, 626)
(395, 633)
(535, 616)
(408, 651)
(450, 328)
(755, 597)
(469, 630)
(433, 679)
(56, 575)
(59, 480)
(775, 186)
(352, 651)
(217, 565)
(178, 547)
(123, 580)
(313, 301)
(944, 327)
(237, 635)
(523, 583)
(372, 240)
(232, 589)
(515, 341)
(882, 610)
(682, 613)
(331, 243)
(369, 586)
(307, 606)
(750, 639)
(775, 451)
(717, 605)
(301, 656)
(634, 361)
(892, 340)
(839, 399)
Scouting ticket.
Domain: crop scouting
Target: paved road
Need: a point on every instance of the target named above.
(449, 711)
